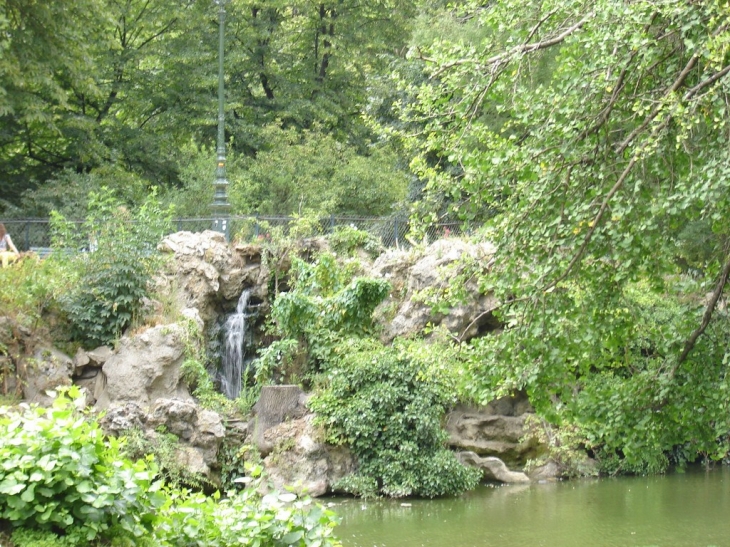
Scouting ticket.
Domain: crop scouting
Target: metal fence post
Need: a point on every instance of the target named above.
(27, 236)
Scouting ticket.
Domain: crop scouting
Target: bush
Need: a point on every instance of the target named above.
(59, 472)
(115, 272)
(245, 518)
(386, 404)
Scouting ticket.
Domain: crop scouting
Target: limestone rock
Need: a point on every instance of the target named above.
(549, 471)
(302, 460)
(493, 468)
(275, 405)
(146, 367)
(495, 430)
(99, 356)
(199, 431)
(207, 271)
(48, 370)
(403, 313)
(120, 419)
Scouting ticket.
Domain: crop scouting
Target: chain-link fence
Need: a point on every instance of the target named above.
(392, 231)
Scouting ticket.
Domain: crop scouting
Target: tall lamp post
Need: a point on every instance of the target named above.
(220, 206)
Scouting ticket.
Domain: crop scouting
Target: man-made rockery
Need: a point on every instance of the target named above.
(140, 385)
(414, 275)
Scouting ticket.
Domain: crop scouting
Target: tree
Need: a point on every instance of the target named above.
(594, 134)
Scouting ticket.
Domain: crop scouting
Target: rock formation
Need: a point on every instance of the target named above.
(496, 430)
(199, 432)
(207, 270)
(145, 368)
(411, 274)
(301, 459)
(493, 469)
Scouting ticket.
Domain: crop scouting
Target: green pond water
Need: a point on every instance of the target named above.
(691, 509)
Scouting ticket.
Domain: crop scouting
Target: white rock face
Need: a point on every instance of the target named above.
(409, 273)
(207, 270)
(146, 367)
(493, 469)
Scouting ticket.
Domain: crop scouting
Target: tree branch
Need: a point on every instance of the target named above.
(517, 50)
(709, 310)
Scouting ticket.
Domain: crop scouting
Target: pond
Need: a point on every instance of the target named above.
(689, 509)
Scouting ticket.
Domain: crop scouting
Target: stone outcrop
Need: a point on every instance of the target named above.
(207, 270)
(88, 373)
(300, 458)
(145, 367)
(276, 404)
(493, 469)
(48, 370)
(199, 432)
(295, 452)
(411, 274)
(496, 430)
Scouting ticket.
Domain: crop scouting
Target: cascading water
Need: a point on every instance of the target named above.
(235, 336)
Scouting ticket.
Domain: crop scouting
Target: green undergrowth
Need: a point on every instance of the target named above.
(384, 403)
(64, 484)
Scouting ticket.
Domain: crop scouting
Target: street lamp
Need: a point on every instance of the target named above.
(220, 206)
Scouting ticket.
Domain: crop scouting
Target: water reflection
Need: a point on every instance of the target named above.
(678, 510)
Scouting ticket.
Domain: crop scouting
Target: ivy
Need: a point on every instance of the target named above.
(386, 404)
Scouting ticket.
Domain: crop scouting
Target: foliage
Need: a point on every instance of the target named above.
(100, 86)
(300, 172)
(117, 267)
(324, 305)
(602, 373)
(565, 446)
(348, 239)
(163, 446)
(245, 518)
(386, 404)
(63, 484)
(59, 472)
(32, 287)
(592, 140)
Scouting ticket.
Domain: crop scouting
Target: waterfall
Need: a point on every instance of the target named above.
(235, 335)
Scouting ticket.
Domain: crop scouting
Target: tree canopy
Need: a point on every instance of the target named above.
(108, 91)
(590, 140)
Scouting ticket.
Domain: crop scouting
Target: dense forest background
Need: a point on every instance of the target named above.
(124, 94)
(589, 140)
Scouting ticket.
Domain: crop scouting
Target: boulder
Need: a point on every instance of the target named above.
(207, 270)
(300, 458)
(411, 274)
(495, 430)
(48, 370)
(199, 431)
(146, 367)
(493, 469)
(275, 405)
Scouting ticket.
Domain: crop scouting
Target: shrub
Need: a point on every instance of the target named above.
(386, 404)
(115, 272)
(59, 472)
(347, 239)
(245, 518)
